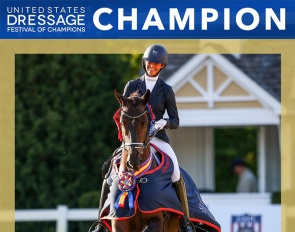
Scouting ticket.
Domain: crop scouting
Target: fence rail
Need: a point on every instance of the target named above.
(61, 215)
(223, 206)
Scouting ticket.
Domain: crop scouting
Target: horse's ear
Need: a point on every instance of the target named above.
(121, 99)
(146, 96)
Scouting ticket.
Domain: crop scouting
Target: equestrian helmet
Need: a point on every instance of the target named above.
(156, 53)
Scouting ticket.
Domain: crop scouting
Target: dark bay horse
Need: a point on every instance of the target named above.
(135, 125)
(141, 196)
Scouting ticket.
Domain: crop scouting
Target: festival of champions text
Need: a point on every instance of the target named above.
(107, 20)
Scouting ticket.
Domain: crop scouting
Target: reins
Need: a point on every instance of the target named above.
(110, 159)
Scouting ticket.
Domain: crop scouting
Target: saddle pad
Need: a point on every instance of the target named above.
(154, 192)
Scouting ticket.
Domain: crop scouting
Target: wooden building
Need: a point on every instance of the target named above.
(215, 91)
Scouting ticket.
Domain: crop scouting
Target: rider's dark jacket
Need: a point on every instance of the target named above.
(162, 99)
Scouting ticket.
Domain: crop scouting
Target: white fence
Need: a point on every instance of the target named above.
(223, 207)
(61, 215)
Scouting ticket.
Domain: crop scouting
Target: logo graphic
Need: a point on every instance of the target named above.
(155, 53)
(246, 223)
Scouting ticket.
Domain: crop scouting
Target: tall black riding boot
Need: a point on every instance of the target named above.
(103, 197)
(180, 189)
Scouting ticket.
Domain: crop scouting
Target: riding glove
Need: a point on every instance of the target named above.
(159, 125)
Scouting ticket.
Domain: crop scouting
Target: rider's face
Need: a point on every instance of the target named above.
(153, 68)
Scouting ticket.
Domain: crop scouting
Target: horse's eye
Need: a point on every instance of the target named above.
(145, 124)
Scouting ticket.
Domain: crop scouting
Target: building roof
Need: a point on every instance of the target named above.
(264, 69)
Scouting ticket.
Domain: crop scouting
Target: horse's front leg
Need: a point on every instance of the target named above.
(154, 223)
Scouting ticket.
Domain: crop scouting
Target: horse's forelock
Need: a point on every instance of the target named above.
(135, 99)
(134, 94)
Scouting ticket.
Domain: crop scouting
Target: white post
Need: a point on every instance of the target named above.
(210, 83)
(209, 163)
(62, 218)
(261, 160)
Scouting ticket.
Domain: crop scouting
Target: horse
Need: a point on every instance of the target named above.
(142, 197)
(135, 124)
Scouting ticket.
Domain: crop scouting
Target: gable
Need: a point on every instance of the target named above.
(211, 90)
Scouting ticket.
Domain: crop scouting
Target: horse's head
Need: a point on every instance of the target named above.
(135, 125)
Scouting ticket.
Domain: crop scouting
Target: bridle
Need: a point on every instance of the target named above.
(152, 131)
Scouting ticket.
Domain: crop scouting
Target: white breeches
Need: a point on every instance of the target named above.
(165, 147)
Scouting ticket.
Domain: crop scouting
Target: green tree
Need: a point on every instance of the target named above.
(64, 128)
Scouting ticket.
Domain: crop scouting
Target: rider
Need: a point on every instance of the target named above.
(162, 99)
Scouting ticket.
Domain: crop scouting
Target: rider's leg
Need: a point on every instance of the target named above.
(103, 197)
(105, 190)
(181, 193)
(165, 147)
(178, 183)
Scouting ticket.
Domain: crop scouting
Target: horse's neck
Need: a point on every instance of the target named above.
(146, 154)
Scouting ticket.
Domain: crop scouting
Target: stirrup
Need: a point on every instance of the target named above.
(186, 225)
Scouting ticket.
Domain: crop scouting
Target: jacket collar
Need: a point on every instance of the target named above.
(157, 88)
